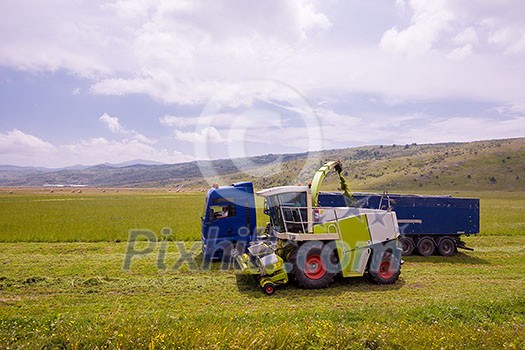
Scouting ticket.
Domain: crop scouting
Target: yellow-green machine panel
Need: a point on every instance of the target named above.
(354, 242)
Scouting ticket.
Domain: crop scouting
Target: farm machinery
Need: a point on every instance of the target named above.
(314, 236)
(304, 241)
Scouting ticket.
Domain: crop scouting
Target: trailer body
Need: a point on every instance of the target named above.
(437, 221)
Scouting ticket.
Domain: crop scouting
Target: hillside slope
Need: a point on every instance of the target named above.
(482, 165)
(486, 165)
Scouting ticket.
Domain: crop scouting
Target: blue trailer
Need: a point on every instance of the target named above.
(427, 223)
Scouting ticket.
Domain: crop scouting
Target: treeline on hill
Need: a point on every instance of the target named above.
(490, 165)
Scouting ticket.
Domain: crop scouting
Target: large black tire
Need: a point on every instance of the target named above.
(447, 246)
(426, 246)
(407, 245)
(386, 271)
(313, 266)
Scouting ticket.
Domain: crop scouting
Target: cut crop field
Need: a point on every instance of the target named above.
(63, 284)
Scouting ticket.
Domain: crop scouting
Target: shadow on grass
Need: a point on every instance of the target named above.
(247, 284)
(458, 258)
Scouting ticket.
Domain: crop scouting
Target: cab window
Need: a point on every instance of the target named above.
(222, 211)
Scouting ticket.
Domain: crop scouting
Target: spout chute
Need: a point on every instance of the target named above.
(321, 174)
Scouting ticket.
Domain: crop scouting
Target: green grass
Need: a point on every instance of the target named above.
(62, 285)
(76, 295)
(95, 216)
(502, 213)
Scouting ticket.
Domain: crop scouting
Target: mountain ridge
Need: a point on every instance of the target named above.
(489, 164)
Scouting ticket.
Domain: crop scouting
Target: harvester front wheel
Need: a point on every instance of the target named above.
(313, 266)
(388, 270)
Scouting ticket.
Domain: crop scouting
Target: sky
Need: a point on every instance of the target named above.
(95, 81)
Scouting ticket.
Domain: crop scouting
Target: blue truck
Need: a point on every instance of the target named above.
(228, 220)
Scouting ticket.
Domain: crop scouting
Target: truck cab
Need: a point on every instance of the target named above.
(228, 219)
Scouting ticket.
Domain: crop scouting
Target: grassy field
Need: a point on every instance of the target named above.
(95, 216)
(62, 284)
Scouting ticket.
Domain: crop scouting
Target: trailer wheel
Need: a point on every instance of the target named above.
(446, 247)
(388, 270)
(407, 245)
(426, 246)
(313, 266)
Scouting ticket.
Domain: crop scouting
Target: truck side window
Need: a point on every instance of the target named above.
(222, 211)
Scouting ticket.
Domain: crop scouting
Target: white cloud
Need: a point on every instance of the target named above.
(309, 18)
(219, 120)
(184, 52)
(115, 127)
(460, 53)
(423, 129)
(207, 135)
(19, 148)
(467, 36)
(517, 47)
(100, 150)
(111, 122)
(515, 109)
(174, 121)
(473, 128)
(429, 20)
(507, 32)
(176, 52)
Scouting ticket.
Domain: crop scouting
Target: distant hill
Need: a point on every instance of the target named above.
(481, 165)
(133, 162)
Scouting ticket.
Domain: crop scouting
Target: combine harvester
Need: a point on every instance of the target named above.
(314, 236)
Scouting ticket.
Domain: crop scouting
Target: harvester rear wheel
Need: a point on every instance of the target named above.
(313, 266)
